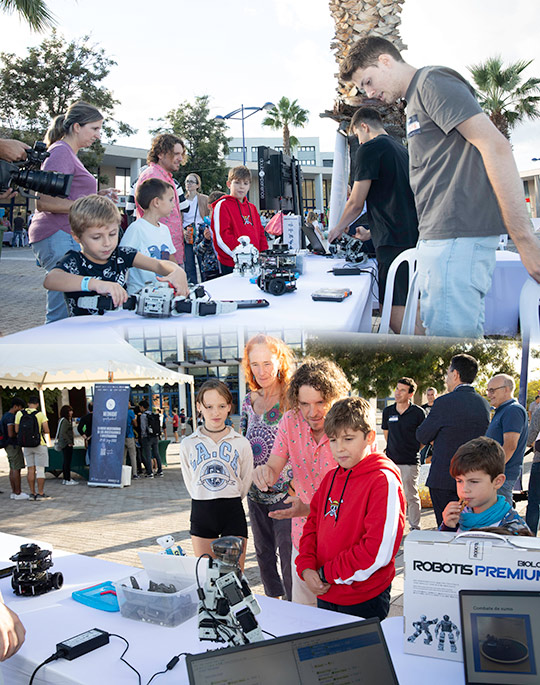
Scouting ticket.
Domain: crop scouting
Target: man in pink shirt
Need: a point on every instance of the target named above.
(165, 157)
(301, 441)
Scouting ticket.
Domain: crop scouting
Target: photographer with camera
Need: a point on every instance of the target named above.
(50, 232)
(11, 151)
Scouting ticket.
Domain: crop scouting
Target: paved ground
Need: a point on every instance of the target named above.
(114, 524)
(23, 280)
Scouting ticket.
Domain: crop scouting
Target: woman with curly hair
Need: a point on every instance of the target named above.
(268, 368)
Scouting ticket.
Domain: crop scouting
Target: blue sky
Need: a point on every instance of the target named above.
(251, 51)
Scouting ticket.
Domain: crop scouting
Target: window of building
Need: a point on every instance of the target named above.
(308, 192)
(327, 187)
(307, 148)
(211, 347)
(158, 348)
(307, 162)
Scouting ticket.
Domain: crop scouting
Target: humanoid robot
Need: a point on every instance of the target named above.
(246, 257)
(443, 628)
(422, 626)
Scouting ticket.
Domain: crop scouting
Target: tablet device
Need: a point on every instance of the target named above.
(501, 637)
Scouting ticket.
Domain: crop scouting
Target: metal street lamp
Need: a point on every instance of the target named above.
(242, 112)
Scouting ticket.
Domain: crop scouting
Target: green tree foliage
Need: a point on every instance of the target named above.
(502, 95)
(373, 369)
(34, 12)
(37, 87)
(206, 142)
(283, 116)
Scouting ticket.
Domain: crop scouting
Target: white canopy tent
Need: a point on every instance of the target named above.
(40, 366)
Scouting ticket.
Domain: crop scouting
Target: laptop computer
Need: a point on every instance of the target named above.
(350, 653)
(501, 637)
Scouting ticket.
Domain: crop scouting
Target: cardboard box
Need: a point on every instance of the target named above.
(438, 565)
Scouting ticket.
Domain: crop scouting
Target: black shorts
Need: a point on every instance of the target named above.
(213, 518)
(385, 256)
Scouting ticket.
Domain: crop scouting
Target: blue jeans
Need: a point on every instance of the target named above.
(507, 488)
(533, 505)
(150, 450)
(189, 263)
(454, 276)
(48, 252)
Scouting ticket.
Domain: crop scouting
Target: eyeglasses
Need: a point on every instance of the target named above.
(191, 182)
(490, 391)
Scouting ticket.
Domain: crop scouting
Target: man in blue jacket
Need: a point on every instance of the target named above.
(508, 427)
(455, 418)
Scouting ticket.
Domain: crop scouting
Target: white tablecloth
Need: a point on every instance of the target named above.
(294, 310)
(54, 617)
(502, 300)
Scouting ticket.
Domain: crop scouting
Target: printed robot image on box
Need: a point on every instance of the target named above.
(438, 565)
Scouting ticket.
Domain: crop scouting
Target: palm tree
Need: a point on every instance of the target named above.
(35, 12)
(283, 115)
(503, 96)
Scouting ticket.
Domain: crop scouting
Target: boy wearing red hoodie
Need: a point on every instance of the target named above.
(234, 216)
(354, 529)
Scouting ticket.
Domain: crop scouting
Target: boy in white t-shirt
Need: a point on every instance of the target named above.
(147, 235)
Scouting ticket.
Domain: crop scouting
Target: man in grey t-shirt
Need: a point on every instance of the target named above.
(464, 178)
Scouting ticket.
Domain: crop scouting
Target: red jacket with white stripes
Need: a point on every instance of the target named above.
(231, 219)
(354, 530)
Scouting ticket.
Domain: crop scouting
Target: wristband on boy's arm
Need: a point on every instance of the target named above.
(321, 575)
(85, 284)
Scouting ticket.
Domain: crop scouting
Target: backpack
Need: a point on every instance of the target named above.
(154, 427)
(29, 434)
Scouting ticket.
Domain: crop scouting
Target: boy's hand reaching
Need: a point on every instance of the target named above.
(177, 278)
(451, 514)
(115, 290)
(314, 583)
(297, 508)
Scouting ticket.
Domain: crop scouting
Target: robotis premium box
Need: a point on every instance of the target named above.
(439, 565)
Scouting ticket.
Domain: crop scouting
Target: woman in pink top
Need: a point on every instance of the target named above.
(50, 232)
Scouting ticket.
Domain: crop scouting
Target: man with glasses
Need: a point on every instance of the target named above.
(509, 427)
(455, 418)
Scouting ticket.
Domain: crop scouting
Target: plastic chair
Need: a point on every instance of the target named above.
(407, 328)
(528, 311)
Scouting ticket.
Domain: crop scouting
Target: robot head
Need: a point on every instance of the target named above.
(423, 617)
(228, 549)
(446, 617)
(244, 240)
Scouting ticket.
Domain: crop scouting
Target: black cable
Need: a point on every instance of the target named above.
(169, 667)
(122, 656)
(53, 657)
(267, 633)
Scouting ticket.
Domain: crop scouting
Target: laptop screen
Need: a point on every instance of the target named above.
(501, 637)
(351, 653)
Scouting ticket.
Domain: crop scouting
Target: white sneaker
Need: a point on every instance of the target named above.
(70, 482)
(21, 495)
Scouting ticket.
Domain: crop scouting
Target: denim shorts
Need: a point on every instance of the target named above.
(454, 278)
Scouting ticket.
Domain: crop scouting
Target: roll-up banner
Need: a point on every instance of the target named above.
(108, 434)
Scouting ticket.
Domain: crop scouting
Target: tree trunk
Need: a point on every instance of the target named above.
(286, 140)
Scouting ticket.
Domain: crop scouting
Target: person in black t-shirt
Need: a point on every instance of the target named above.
(381, 177)
(101, 266)
(399, 424)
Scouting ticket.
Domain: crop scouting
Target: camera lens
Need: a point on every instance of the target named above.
(47, 182)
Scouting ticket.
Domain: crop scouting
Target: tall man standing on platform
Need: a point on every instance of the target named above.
(455, 418)
(166, 155)
(453, 147)
(508, 427)
(399, 424)
(382, 179)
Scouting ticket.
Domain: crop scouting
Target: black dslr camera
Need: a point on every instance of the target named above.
(28, 174)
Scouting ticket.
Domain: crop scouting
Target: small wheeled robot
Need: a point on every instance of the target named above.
(246, 257)
(31, 576)
(278, 272)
